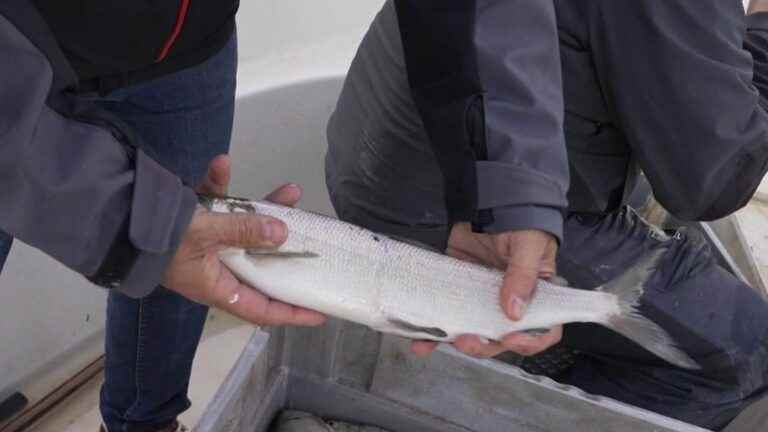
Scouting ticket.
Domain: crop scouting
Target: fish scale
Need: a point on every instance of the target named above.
(394, 287)
(469, 287)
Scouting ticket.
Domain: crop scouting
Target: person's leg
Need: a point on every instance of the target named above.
(391, 186)
(719, 321)
(5, 248)
(184, 120)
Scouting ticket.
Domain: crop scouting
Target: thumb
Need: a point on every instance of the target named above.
(247, 231)
(216, 181)
(517, 291)
(287, 195)
(524, 252)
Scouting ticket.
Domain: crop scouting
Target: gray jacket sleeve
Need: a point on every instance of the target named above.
(72, 181)
(687, 81)
(486, 78)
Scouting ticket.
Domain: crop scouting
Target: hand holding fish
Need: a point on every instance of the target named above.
(197, 273)
(525, 256)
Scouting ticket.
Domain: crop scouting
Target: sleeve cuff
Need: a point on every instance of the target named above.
(500, 184)
(161, 211)
(516, 218)
(757, 21)
(149, 268)
(512, 198)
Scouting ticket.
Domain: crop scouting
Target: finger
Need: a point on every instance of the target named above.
(528, 345)
(548, 270)
(253, 306)
(474, 346)
(245, 231)
(548, 266)
(220, 171)
(287, 195)
(518, 286)
(276, 313)
(524, 254)
(423, 348)
(216, 181)
(466, 245)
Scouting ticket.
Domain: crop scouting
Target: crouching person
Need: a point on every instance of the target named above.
(464, 150)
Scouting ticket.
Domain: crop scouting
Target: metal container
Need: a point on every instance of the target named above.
(347, 372)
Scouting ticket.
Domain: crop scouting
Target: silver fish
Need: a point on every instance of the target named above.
(346, 271)
(297, 421)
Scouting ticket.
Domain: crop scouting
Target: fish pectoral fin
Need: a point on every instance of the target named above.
(413, 328)
(258, 253)
(537, 331)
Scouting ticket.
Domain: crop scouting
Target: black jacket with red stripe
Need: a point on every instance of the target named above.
(111, 44)
(74, 181)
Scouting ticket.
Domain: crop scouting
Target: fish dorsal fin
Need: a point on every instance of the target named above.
(413, 328)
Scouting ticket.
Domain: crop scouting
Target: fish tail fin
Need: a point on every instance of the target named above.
(630, 323)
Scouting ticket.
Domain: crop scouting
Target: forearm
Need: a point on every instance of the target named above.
(72, 180)
(486, 78)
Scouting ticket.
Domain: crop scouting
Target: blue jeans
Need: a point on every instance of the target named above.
(5, 247)
(184, 121)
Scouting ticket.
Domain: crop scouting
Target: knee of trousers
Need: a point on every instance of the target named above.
(717, 319)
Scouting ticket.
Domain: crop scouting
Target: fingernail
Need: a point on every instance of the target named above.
(273, 231)
(276, 232)
(267, 230)
(484, 341)
(517, 306)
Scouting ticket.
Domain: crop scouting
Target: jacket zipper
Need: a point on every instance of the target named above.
(180, 19)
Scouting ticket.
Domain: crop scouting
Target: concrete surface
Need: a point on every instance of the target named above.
(223, 340)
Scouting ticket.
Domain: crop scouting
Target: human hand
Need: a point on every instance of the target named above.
(196, 273)
(525, 256)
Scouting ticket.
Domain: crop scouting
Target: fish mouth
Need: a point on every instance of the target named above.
(206, 201)
(232, 203)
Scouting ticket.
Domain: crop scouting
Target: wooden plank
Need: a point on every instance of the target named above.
(27, 418)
